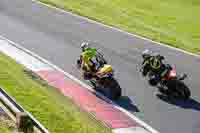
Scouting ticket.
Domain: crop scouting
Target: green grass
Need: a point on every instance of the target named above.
(174, 22)
(52, 109)
(4, 129)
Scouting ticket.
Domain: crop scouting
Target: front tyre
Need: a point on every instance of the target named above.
(179, 89)
(184, 90)
(115, 89)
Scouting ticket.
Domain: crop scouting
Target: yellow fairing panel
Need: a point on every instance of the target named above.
(106, 69)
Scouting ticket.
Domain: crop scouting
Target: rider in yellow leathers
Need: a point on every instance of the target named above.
(88, 54)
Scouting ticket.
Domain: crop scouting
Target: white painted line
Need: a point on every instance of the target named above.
(116, 29)
(130, 130)
(22, 57)
(149, 128)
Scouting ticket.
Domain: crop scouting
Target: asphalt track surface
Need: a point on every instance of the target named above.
(56, 36)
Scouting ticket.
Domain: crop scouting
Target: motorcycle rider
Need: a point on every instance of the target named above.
(153, 62)
(88, 64)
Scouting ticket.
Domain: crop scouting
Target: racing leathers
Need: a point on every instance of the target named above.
(88, 65)
(154, 64)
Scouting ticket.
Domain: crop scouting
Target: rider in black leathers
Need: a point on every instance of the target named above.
(153, 63)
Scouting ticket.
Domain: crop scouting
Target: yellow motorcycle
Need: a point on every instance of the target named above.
(103, 80)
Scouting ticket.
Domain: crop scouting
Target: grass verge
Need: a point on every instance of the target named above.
(4, 129)
(174, 22)
(52, 109)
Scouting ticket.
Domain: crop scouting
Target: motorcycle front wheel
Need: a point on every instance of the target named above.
(179, 89)
(114, 88)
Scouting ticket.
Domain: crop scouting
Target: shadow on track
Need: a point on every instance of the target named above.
(189, 104)
(126, 103)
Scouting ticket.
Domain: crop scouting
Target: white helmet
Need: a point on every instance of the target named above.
(84, 45)
(146, 53)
